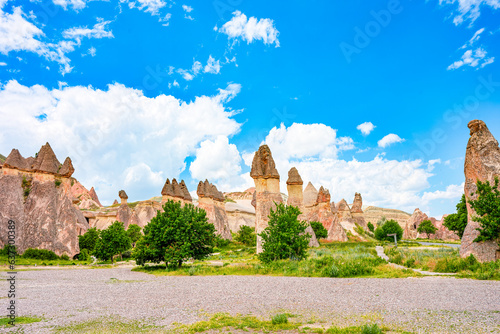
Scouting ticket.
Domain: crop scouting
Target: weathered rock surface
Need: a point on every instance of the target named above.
(310, 195)
(343, 210)
(94, 197)
(240, 213)
(482, 162)
(176, 191)
(46, 161)
(16, 161)
(357, 204)
(410, 230)
(46, 218)
(67, 169)
(212, 201)
(263, 165)
(294, 187)
(243, 195)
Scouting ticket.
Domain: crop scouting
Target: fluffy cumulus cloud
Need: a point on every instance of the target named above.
(213, 66)
(389, 140)
(75, 4)
(469, 10)
(382, 182)
(366, 128)
(118, 138)
(220, 162)
(473, 58)
(99, 30)
(250, 29)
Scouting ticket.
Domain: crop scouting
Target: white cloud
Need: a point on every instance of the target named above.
(212, 66)
(187, 9)
(452, 191)
(92, 51)
(474, 39)
(149, 6)
(117, 133)
(366, 128)
(432, 164)
(469, 10)
(17, 33)
(3, 63)
(97, 31)
(473, 59)
(219, 162)
(389, 140)
(239, 27)
(76, 4)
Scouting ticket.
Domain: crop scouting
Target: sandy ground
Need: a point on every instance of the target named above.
(422, 305)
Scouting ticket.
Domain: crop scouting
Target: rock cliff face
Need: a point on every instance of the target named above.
(212, 201)
(482, 162)
(310, 195)
(84, 199)
(37, 197)
(442, 233)
(410, 231)
(357, 211)
(176, 191)
(240, 213)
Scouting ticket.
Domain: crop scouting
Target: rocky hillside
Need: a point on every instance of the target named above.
(373, 214)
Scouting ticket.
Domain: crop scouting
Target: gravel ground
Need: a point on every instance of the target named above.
(422, 305)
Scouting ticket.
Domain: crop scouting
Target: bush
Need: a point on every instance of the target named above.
(7, 249)
(88, 240)
(371, 329)
(284, 238)
(246, 235)
(279, 319)
(127, 254)
(457, 222)
(112, 241)
(319, 230)
(221, 242)
(65, 257)
(175, 235)
(389, 227)
(371, 227)
(40, 254)
(84, 255)
(487, 206)
(57, 182)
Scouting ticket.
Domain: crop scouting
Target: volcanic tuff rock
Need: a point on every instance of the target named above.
(40, 202)
(373, 214)
(212, 201)
(344, 211)
(482, 162)
(263, 165)
(323, 196)
(294, 177)
(310, 195)
(176, 191)
(410, 231)
(294, 187)
(122, 194)
(357, 204)
(67, 169)
(115, 202)
(94, 197)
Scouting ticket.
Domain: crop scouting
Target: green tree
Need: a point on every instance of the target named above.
(389, 227)
(427, 227)
(319, 230)
(134, 233)
(246, 235)
(285, 236)
(371, 227)
(457, 221)
(88, 240)
(487, 206)
(112, 241)
(176, 235)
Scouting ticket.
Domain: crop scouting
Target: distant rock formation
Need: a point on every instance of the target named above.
(38, 198)
(373, 214)
(115, 202)
(267, 189)
(357, 211)
(212, 201)
(412, 224)
(482, 162)
(310, 195)
(123, 196)
(343, 210)
(176, 191)
(94, 197)
(239, 213)
(84, 199)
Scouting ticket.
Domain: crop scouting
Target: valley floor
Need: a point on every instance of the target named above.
(74, 300)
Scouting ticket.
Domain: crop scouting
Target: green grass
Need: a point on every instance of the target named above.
(457, 242)
(106, 325)
(20, 261)
(4, 322)
(444, 260)
(331, 260)
(2, 158)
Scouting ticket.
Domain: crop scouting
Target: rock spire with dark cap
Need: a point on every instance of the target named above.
(185, 192)
(294, 177)
(263, 165)
(46, 161)
(122, 194)
(357, 205)
(323, 195)
(207, 189)
(16, 160)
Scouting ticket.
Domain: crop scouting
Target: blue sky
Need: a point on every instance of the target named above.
(360, 97)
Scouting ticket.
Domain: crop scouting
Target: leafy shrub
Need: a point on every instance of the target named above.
(134, 233)
(334, 271)
(279, 319)
(112, 241)
(40, 254)
(359, 230)
(88, 240)
(7, 249)
(371, 329)
(371, 227)
(65, 257)
(127, 254)
(389, 227)
(220, 242)
(487, 206)
(457, 221)
(284, 238)
(26, 184)
(84, 255)
(57, 182)
(319, 230)
(175, 235)
(246, 235)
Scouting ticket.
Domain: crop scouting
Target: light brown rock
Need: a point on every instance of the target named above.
(16, 161)
(263, 165)
(357, 204)
(67, 169)
(482, 162)
(46, 161)
(310, 195)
